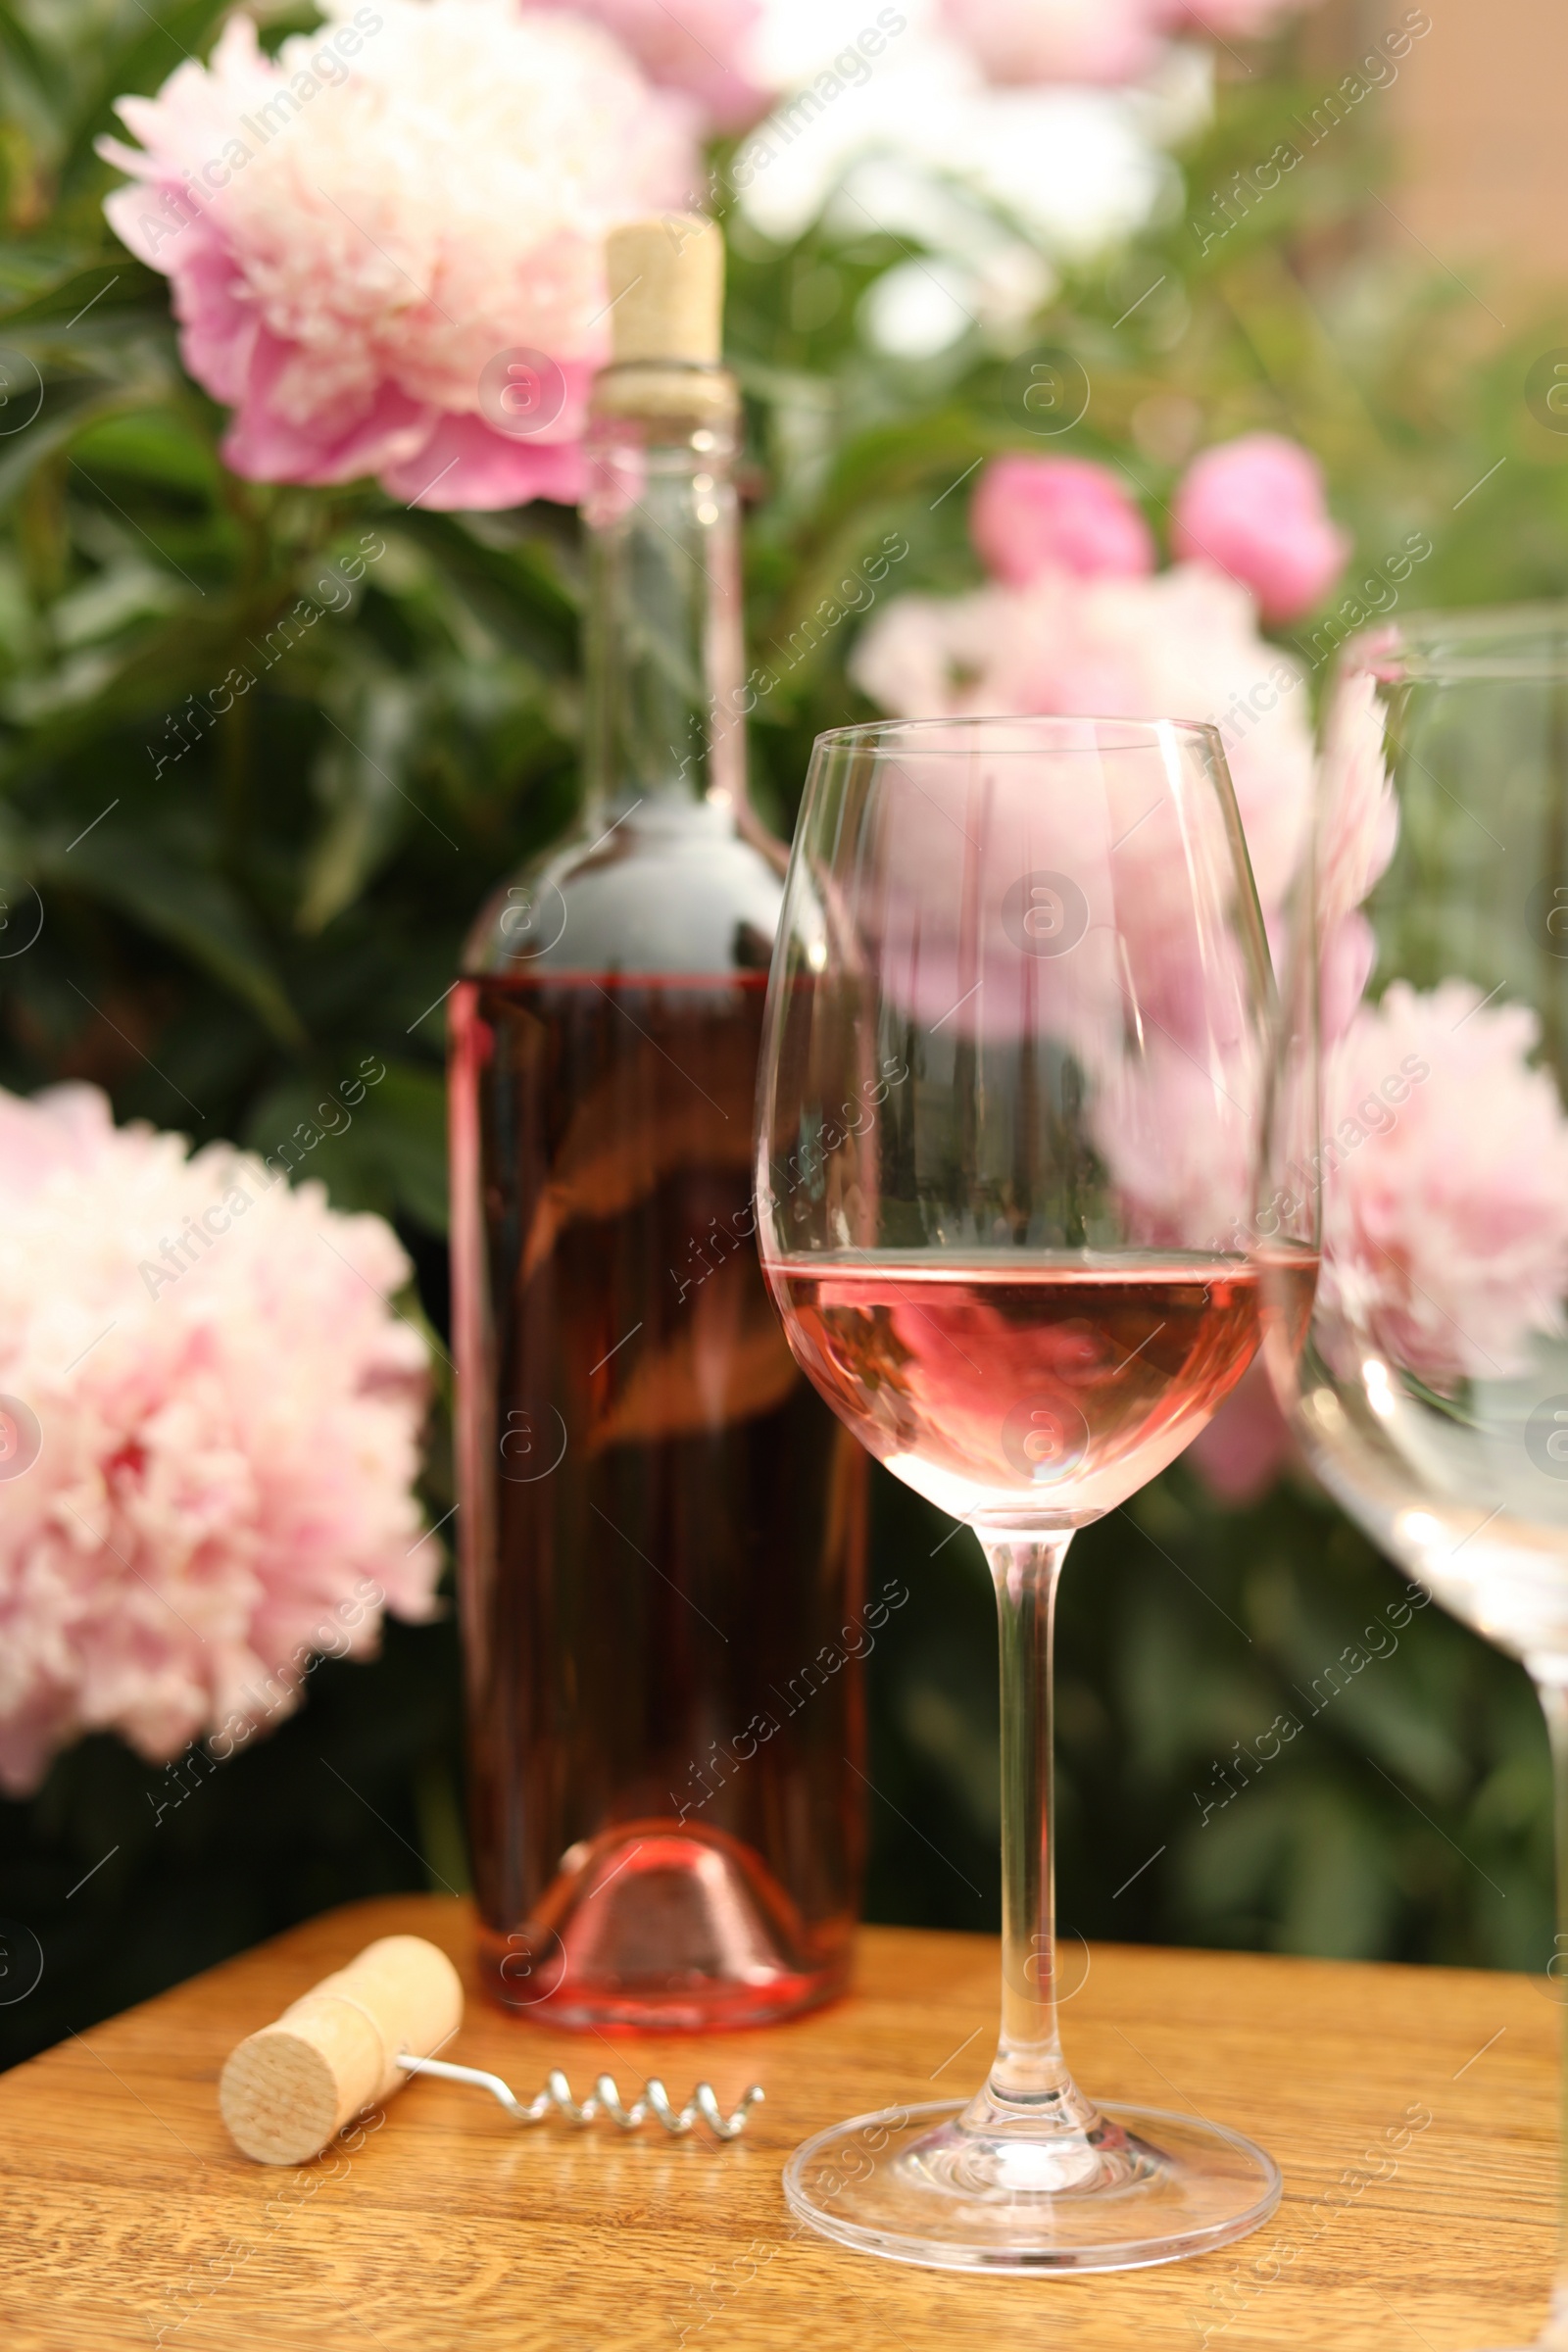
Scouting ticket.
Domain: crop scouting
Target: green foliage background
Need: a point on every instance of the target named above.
(244, 921)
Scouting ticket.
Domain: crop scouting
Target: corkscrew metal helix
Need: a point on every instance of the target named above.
(605, 2100)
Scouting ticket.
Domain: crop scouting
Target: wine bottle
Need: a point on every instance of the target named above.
(660, 1526)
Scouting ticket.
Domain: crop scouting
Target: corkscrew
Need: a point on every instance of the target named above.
(604, 2100)
(349, 2043)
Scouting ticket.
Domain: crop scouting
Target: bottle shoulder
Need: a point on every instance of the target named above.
(693, 890)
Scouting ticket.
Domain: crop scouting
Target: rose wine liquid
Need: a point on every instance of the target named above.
(662, 1528)
(1027, 1393)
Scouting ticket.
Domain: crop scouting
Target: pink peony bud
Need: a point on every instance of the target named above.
(1254, 507)
(1034, 515)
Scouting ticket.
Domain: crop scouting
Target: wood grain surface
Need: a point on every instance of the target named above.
(128, 2219)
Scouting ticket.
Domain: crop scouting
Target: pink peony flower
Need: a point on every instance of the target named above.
(1058, 40)
(1182, 644)
(700, 47)
(1178, 1135)
(1030, 515)
(343, 281)
(1254, 507)
(1445, 1183)
(227, 1416)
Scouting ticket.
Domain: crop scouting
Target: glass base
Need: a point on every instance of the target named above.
(1136, 2187)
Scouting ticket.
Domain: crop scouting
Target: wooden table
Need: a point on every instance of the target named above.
(129, 2220)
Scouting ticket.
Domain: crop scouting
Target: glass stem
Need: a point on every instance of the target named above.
(1029, 2082)
(1553, 1695)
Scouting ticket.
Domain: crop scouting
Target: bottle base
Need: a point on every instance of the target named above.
(658, 1927)
(596, 2007)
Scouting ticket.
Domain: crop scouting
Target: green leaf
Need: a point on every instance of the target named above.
(68, 408)
(69, 707)
(361, 777)
(22, 47)
(153, 446)
(111, 288)
(517, 592)
(194, 910)
(405, 1122)
(140, 66)
(385, 1152)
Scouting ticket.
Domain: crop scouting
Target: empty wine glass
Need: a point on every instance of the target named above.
(1010, 1095)
(1420, 1106)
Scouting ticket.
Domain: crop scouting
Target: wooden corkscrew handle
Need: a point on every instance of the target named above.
(286, 2091)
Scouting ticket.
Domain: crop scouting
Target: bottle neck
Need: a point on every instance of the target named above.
(666, 656)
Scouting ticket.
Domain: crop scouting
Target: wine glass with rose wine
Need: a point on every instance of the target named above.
(1009, 1118)
(1420, 1095)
